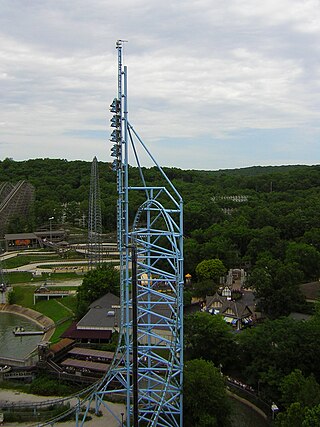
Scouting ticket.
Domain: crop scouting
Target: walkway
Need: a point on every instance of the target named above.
(106, 419)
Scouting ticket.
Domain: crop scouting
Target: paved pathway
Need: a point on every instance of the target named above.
(106, 420)
(37, 266)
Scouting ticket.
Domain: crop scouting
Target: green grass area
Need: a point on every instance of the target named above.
(70, 302)
(27, 258)
(60, 330)
(56, 309)
(11, 385)
(19, 277)
(51, 308)
(42, 385)
(26, 277)
(61, 276)
(21, 260)
(24, 295)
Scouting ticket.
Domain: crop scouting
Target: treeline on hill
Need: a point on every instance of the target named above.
(264, 218)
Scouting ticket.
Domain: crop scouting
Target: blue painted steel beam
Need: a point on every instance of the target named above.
(157, 235)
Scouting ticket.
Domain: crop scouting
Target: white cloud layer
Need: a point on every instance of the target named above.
(211, 84)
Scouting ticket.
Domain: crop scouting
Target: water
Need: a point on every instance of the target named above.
(17, 347)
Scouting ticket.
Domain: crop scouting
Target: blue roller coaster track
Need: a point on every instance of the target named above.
(147, 370)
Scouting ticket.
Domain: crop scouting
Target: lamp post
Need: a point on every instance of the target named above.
(274, 409)
(50, 224)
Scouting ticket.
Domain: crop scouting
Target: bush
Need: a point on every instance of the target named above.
(46, 386)
(12, 297)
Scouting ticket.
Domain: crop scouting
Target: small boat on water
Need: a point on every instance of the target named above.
(20, 331)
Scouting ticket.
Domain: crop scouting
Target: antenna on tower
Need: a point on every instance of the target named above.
(119, 43)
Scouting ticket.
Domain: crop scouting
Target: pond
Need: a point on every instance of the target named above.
(14, 346)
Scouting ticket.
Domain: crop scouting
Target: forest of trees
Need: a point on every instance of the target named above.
(265, 219)
(279, 218)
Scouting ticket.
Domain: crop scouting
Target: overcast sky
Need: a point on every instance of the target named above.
(212, 84)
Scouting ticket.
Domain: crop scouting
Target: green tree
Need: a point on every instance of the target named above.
(187, 297)
(312, 417)
(95, 284)
(12, 297)
(204, 287)
(191, 255)
(312, 237)
(293, 417)
(296, 388)
(272, 350)
(17, 224)
(306, 258)
(276, 287)
(269, 352)
(210, 269)
(72, 212)
(209, 337)
(298, 416)
(266, 239)
(205, 399)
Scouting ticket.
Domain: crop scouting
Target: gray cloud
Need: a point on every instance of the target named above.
(233, 79)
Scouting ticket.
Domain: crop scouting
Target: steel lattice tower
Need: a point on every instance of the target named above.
(94, 218)
(148, 364)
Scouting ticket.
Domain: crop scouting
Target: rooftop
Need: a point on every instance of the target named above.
(74, 333)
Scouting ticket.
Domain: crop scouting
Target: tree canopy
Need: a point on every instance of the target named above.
(205, 399)
(97, 283)
(210, 269)
(208, 337)
(276, 348)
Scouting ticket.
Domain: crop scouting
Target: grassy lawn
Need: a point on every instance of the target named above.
(69, 302)
(19, 277)
(51, 308)
(24, 295)
(59, 331)
(26, 277)
(21, 260)
(10, 385)
(55, 309)
(60, 276)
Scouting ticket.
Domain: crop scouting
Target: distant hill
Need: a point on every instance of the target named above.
(259, 170)
(62, 187)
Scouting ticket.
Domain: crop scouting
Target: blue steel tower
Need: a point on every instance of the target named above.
(148, 364)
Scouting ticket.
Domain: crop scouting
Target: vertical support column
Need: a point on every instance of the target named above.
(135, 338)
(180, 307)
(126, 241)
